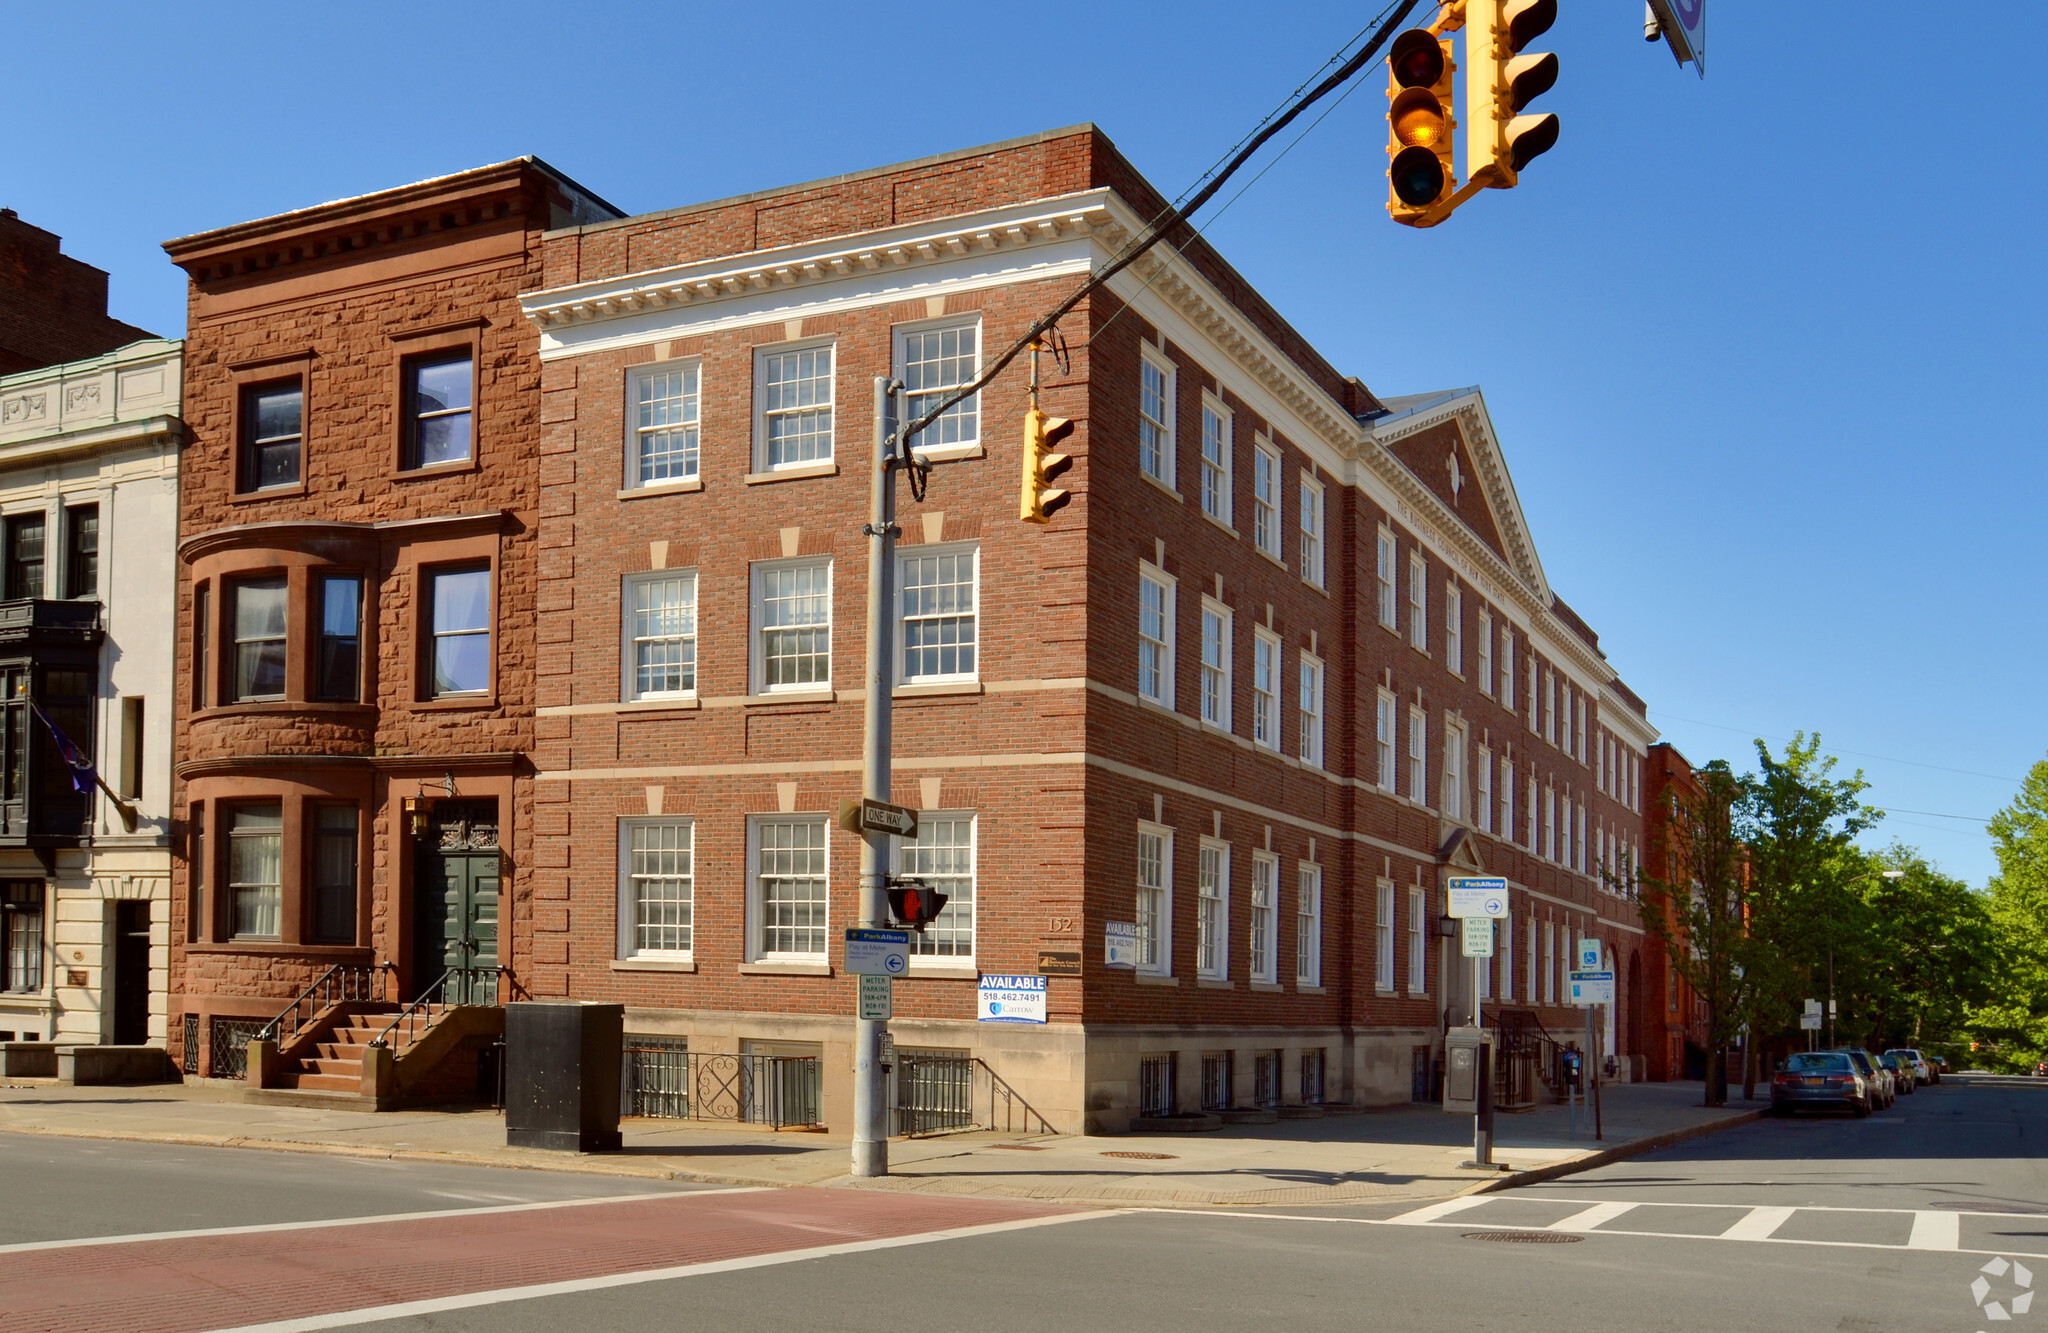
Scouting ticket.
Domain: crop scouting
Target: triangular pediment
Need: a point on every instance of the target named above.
(1460, 851)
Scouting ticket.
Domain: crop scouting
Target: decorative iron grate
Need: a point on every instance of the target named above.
(190, 1059)
(231, 1038)
(658, 1077)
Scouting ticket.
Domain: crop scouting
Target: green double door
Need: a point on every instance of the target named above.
(455, 892)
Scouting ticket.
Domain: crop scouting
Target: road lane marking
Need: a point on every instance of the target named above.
(1757, 1224)
(1589, 1218)
(78, 1242)
(1436, 1210)
(538, 1290)
(1936, 1231)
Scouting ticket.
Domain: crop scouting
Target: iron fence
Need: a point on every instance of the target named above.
(1312, 1078)
(1266, 1079)
(657, 1077)
(189, 1061)
(665, 1079)
(934, 1091)
(231, 1038)
(1215, 1080)
(1155, 1084)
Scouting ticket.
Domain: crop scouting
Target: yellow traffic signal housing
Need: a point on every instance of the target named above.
(1503, 79)
(1041, 464)
(1420, 126)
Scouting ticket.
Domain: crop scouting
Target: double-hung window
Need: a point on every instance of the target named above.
(439, 409)
(1383, 938)
(21, 934)
(1311, 530)
(942, 855)
(1418, 943)
(1550, 706)
(1155, 636)
(1266, 499)
(1454, 628)
(1550, 962)
(273, 433)
(1212, 910)
(793, 626)
(27, 555)
(340, 658)
(258, 617)
(1485, 651)
(1261, 943)
(1311, 711)
(664, 443)
(1155, 418)
(795, 393)
(1579, 730)
(932, 362)
(1507, 799)
(1384, 575)
(940, 596)
(256, 868)
(1549, 823)
(789, 854)
(657, 887)
(1155, 899)
(1529, 960)
(1418, 602)
(1454, 771)
(1216, 461)
(334, 873)
(1216, 653)
(1532, 813)
(1265, 689)
(661, 635)
(1383, 740)
(1308, 925)
(462, 631)
(1418, 756)
(1579, 836)
(1535, 719)
(1483, 785)
(1507, 666)
(82, 551)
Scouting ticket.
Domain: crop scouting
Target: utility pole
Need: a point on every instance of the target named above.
(870, 1105)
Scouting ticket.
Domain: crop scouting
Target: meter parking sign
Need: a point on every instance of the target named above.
(1478, 896)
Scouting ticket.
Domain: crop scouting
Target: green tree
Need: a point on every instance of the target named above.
(1932, 951)
(2013, 1023)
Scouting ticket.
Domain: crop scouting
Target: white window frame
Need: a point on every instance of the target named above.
(1486, 652)
(1418, 601)
(1262, 934)
(1388, 555)
(1550, 962)
(1454, 793)
(1550, 706)
(1216, 470)
(1533, 819)
(1454, 627)
(757, 658)
(906, 554)
(1169, 586)
(1482, 797)
(1579, 729)
(1313, 529)
(1535, 718)
(1217, 651)
(1308, 924)
(762, 356)
(1309, 709)
(1550, 824)
(926, 445)
(904, 859)
(1507, 799)
(1171, 391)
(1418, 756)
(1268, 664)
(1266, 470)
(630, 638)
(1383, 939)
(1384, 741)
(1507, 958)
(1159, 939)
(628, 901)
(1212, 910)
(690, 425)
(1579, 837)
(756, 922)
(1418, 942)
(1507, 665)
(1529, 956)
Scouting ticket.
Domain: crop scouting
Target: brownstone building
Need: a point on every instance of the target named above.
(1287, 660)
(355, 597)
(1671, 1015)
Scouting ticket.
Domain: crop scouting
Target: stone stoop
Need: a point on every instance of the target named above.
(336, 1072)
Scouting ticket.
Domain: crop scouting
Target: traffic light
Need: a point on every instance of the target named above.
(913, 904)
(1041, 464)
(1419, 126)
(1503, 79)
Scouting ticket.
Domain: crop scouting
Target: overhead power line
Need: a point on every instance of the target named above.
(1833, 749)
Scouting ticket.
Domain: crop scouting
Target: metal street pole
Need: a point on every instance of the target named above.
(870, 1105)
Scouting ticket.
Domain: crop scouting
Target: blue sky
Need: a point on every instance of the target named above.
(1760, 349)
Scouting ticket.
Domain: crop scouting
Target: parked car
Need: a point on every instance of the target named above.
(1923, 1069)
(1823, 1080)
(1940, 1063)
(1904, 1079)
(1884, 1089)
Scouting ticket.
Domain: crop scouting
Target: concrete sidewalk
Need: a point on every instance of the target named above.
(1394, 1153)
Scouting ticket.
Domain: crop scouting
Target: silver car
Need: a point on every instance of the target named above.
(1924, 1073)
(1821, 1080)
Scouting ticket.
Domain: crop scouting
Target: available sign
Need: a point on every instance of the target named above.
(1120, 944)
(1478, 938)
(1473, 895)
(1012, 999)
(1592, 988)
(877, 1003)
(883, 953)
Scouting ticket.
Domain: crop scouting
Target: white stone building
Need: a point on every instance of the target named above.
(88, 549)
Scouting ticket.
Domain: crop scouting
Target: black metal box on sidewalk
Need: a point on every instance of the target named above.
(562, 1075)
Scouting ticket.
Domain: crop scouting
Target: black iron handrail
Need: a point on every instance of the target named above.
(469, 984)
(343, 981)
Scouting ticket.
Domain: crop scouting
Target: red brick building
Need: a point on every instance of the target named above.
(1287, 660)
(1672, 1018)
(52, 307)
(355, 593)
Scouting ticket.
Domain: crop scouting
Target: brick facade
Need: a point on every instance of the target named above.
(52, 307)
(1672, 1017)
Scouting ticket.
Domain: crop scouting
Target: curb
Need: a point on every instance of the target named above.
(1619, 1152)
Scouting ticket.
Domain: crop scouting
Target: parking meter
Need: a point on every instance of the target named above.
(1574, 1069)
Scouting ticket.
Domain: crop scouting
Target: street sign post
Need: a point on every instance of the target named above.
(866, 816)
(876, 998)
(1477, 941)
(1589, 955)
(1475, 895)
(881, 953)
(1590, 988)
(1809, 1022)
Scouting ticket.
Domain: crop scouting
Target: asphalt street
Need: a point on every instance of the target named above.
(1924, 1217)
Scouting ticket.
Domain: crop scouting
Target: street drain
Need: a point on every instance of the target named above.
(1145, 1156)
(1526, 1237)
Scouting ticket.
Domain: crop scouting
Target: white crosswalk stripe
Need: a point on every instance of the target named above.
(1588, 1218)
(1936, 1231)
(1758, 1224)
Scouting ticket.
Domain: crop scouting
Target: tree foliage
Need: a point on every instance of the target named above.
(2011, 1023)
